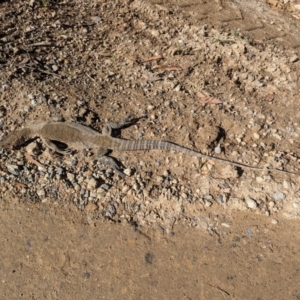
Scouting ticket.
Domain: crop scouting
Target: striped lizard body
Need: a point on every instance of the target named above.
(78, 137)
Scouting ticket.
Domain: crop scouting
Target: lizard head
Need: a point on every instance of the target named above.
(14, 140)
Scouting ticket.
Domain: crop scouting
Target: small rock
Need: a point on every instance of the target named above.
(96, 19)
(297, 6)
(109, 172)
(220, 199)
(125, 189)
(286, 184)
(294, 58)
(32, 148)
(70, 176)
(296, 205)
(59, 171)
(159, 179)
(33, 102)
(278, 196)
(74, 162)
(251, 203)
(93, 194)
(218, 150)
(274, 222)
(54, 68)
(23, 191)
(110, 211)
(77, 187)
(166, 173)
(155, 32)
(259, 179)
(277, 136)
(41, 192)
(128, 172)
(92, 184)
(271, 204)
(208, 203)
(105, 186)
(249, 232)
(256, 136)
(136, 186)
(13, 169)
(208, 197)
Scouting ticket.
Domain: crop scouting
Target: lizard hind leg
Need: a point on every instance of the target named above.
(54, 148)
(109, 161)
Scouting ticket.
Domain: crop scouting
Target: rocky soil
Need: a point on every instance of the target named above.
(219, 77)
(203, 86)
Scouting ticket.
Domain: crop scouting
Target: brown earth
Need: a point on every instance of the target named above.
(177, 227)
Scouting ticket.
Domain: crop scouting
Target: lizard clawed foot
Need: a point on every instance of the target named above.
(68, 151)
(64, 151)
(109, 161)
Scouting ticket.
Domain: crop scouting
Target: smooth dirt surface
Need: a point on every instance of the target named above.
(50, 253)
(176, 228)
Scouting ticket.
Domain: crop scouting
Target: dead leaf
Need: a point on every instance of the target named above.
(19, 184)
(203, 99)
(33, 161)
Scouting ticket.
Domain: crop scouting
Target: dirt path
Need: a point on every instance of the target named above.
(266, 21)
(50, 253)
(221, 77)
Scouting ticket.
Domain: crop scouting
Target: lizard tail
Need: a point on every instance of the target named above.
(133, 145)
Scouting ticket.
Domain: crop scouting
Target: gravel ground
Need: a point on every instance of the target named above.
(210, 88)
(220, 77)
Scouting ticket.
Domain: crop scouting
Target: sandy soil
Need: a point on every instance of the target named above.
(221, 77)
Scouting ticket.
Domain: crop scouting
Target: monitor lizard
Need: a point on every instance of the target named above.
(79, 137)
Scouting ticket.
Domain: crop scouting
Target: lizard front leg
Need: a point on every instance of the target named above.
(108, 127)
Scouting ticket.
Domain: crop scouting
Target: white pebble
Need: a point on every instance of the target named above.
(155, 32)
(70, 176)
(208, 203)
(271, 204)
(296, 205)
(128, 172)
(255, 136)
(259, 179)
(251, 203)
(41, 193)
(166, 173)
(286, 184)
(54, 68)
(279, 196)
(218, 150)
